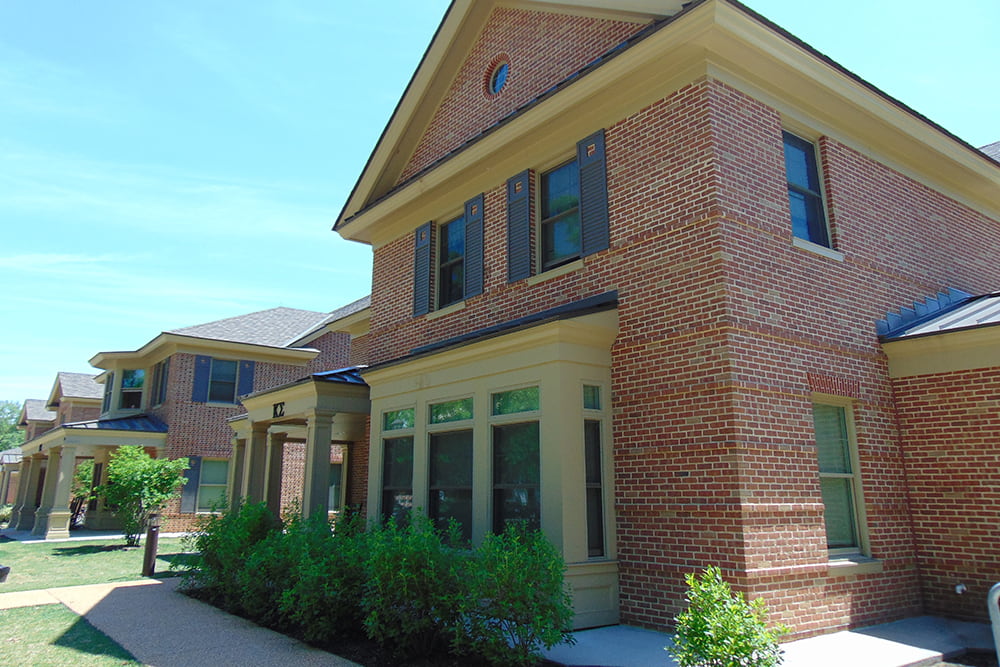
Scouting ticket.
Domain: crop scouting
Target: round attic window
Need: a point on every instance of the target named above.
(496, 75)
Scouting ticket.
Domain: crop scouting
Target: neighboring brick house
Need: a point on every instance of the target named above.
(173, 396)
(642, 315)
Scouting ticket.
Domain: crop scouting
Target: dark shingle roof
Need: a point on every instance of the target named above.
(276, 327)
(351, 308)
(79, 385)
(35, 410)
(993, 150)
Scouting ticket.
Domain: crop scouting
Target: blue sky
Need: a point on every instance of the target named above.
(164, 164)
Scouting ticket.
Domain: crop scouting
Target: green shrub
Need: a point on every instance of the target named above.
(517, 601)
(5, 512)
(413, 587)
(224, 542)
(324, 600)
(720, 628)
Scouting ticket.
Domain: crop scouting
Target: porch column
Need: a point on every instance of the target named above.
(237, 469)
(21, 500)
(4, 483)
(48, 491)
(253, 480)
(98, 516)
(316, 481)
(272, 471)
(59, 514)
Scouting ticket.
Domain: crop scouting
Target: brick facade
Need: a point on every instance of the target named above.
(727, 329)
(948, 424)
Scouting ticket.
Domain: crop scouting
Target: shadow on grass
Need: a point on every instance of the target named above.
(88, 549)
(4, 538)
(85, 638)
(178, 561)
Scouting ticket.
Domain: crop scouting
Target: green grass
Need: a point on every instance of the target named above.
(54, 564)
(54, 635)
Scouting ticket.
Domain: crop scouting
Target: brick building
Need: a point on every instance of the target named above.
(628, 259)
(172, 396)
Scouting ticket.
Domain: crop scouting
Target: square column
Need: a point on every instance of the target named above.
(316, 481)
(253, 480)
(59, 515)
(237, 471)
(29, 471)
(48, 492)
(274, 458)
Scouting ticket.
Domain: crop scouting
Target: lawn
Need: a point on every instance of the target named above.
(53, 564)
(54, 635)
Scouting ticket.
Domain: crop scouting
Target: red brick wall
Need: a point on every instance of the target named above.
(949, 424)
(568, 42)
(723, 321)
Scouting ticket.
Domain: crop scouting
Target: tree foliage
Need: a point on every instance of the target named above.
(139, 485)
(10, 435)
(720, 628)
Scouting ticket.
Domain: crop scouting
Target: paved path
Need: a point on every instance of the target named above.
(164, 628)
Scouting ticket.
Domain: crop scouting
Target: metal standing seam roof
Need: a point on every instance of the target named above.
(10, 456)
(993, 150)
(349, 375)
(976, 312)
(136, 423)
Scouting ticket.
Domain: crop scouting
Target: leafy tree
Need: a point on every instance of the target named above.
(81, 491)
(10, 435)
(139, 485)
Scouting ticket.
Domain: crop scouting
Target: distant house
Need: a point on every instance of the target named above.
(628, 260)
(172, 396)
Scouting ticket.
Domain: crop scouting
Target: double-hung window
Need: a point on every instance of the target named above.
(131, 389)
(840, 483)
(451, 262)
(160, 375)
(451, 466)
(397, 464)
(516, 459)
(560, 215)
(222, 381)
(805, 196)
(212, 484)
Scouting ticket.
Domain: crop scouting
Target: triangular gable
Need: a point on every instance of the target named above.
(446, 102)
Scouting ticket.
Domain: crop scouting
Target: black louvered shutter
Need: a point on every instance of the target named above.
(245, 379)
(593, 194)
(189, 492)
(422, 270)
(519, 227)
(202, 374)
(474, 246)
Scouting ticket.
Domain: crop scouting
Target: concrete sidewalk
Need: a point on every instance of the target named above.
(162, 627)
(923, 640)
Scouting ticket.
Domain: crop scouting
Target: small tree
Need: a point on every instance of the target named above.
(82, 490)
(139, 485)
(720, 628)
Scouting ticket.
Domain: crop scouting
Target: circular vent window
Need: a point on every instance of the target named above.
(496, 76)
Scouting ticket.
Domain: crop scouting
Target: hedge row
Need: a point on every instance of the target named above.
(414, 590)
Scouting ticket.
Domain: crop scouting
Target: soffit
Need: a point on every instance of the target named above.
(717, 38)
(167, 344)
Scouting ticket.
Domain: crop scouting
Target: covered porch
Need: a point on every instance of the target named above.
(320, 412)
(48, 463)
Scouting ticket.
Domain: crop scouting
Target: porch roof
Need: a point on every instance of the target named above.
(134, 423)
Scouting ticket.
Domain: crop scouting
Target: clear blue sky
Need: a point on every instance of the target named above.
(164, 164)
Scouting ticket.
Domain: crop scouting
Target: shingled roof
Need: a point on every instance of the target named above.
(276, 327)
(78, 385)
(34, 410)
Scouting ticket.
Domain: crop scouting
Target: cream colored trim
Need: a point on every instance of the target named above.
(167, 344)
(853, 567)
(947, 352)
(816, 248)
(447, 310)
(857, 483)
(621, 10)
(575, 265)
(714, 38)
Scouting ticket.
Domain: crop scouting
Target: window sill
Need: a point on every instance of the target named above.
(447, 310)
(575, 265)
(852, 566)
(219, 404)
(817, 249)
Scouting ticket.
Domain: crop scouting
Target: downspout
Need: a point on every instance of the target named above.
(992, 600)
